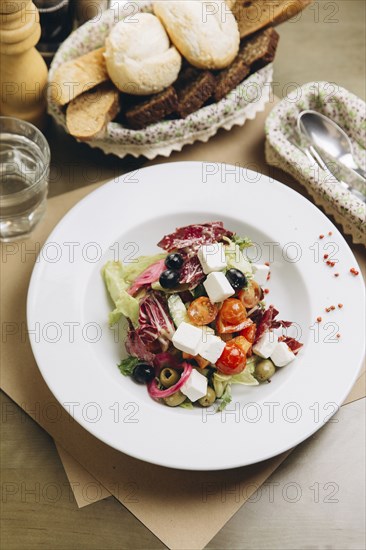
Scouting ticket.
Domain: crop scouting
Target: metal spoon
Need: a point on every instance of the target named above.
(330, 138)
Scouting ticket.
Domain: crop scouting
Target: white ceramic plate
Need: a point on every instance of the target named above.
(77, 353)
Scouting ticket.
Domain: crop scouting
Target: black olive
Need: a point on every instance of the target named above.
(143, 373)
(169, 278)
(236, 278)
(174, 261)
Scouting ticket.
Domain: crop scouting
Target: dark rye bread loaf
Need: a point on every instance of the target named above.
(194, 88)
(153, 109)
(254, 53)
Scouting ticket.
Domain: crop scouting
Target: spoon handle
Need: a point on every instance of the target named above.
(360, 172)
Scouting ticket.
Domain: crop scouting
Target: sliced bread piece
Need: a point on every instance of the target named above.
(253, 15)
(260, 49)
(255, 52)
(77, 76)
(230, 78)
(153, 109)
(87, 115)
(194, 87)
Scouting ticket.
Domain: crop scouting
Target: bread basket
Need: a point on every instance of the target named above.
(167, 136)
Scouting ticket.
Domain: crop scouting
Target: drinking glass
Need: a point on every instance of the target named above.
(24, 169)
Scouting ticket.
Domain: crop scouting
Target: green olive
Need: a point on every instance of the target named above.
(208, 399)
(168, 377)
(264, 370)
(177, 398)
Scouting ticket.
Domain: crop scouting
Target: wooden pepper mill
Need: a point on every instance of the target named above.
(23, 72)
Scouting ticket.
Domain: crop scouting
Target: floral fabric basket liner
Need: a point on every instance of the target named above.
(161, 138)
(283, 150)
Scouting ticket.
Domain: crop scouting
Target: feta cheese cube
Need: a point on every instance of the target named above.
(187, 338)
(195, 387)
(282, 355)
(261, 273)
(265, 345)
(212, 348)
(218, 287)
(212, 257)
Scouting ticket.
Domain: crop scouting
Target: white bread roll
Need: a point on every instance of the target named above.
(205, 32)
(139, 58)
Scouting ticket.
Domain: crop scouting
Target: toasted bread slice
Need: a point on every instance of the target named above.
(87, 115)
(253, 15)
(77, 76)
(152, 109)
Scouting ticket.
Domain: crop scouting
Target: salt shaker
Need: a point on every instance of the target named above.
(23, 72)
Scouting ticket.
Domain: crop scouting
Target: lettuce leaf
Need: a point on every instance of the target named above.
(242, 242)
(127, 365)
(236, 259)
(187, 404)
(226, 398)
(126, 305)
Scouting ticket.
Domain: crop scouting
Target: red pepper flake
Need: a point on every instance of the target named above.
(328, 262)
(332, 264)
(268, 276)
(332, 308)
(267, 264)
(336, 274)
(326, 256)
(330, 233)
(338, 335)
(266, 290)
(354, 271)
(327, 309)
(340, 306)
(319, 319)
(321, 236)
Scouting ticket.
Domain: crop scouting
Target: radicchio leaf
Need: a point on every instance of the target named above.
(191, 273)
(292, 343)
(188, 239)
(283, 324)
(155, 322)
(136, 347)
(265, 322)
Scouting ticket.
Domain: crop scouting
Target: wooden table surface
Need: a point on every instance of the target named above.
(315, 500)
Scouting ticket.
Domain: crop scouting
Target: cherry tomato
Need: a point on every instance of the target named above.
(232, 316)
(202, 311)
(232, 359)
(249, 332)
(243, 344)
(250, 296)
(201, 362)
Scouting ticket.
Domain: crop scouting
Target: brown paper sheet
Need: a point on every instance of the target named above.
(146, 490)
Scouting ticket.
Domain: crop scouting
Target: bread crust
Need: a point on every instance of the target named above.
(139, 57)
(87, 115)
(153, 109)
(194, 88)
(253, 15)
(207, 39)
(77, 76)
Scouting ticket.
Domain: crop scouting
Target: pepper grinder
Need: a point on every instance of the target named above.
(23, 72)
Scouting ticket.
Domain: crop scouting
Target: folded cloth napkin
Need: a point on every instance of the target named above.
(283, 149)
